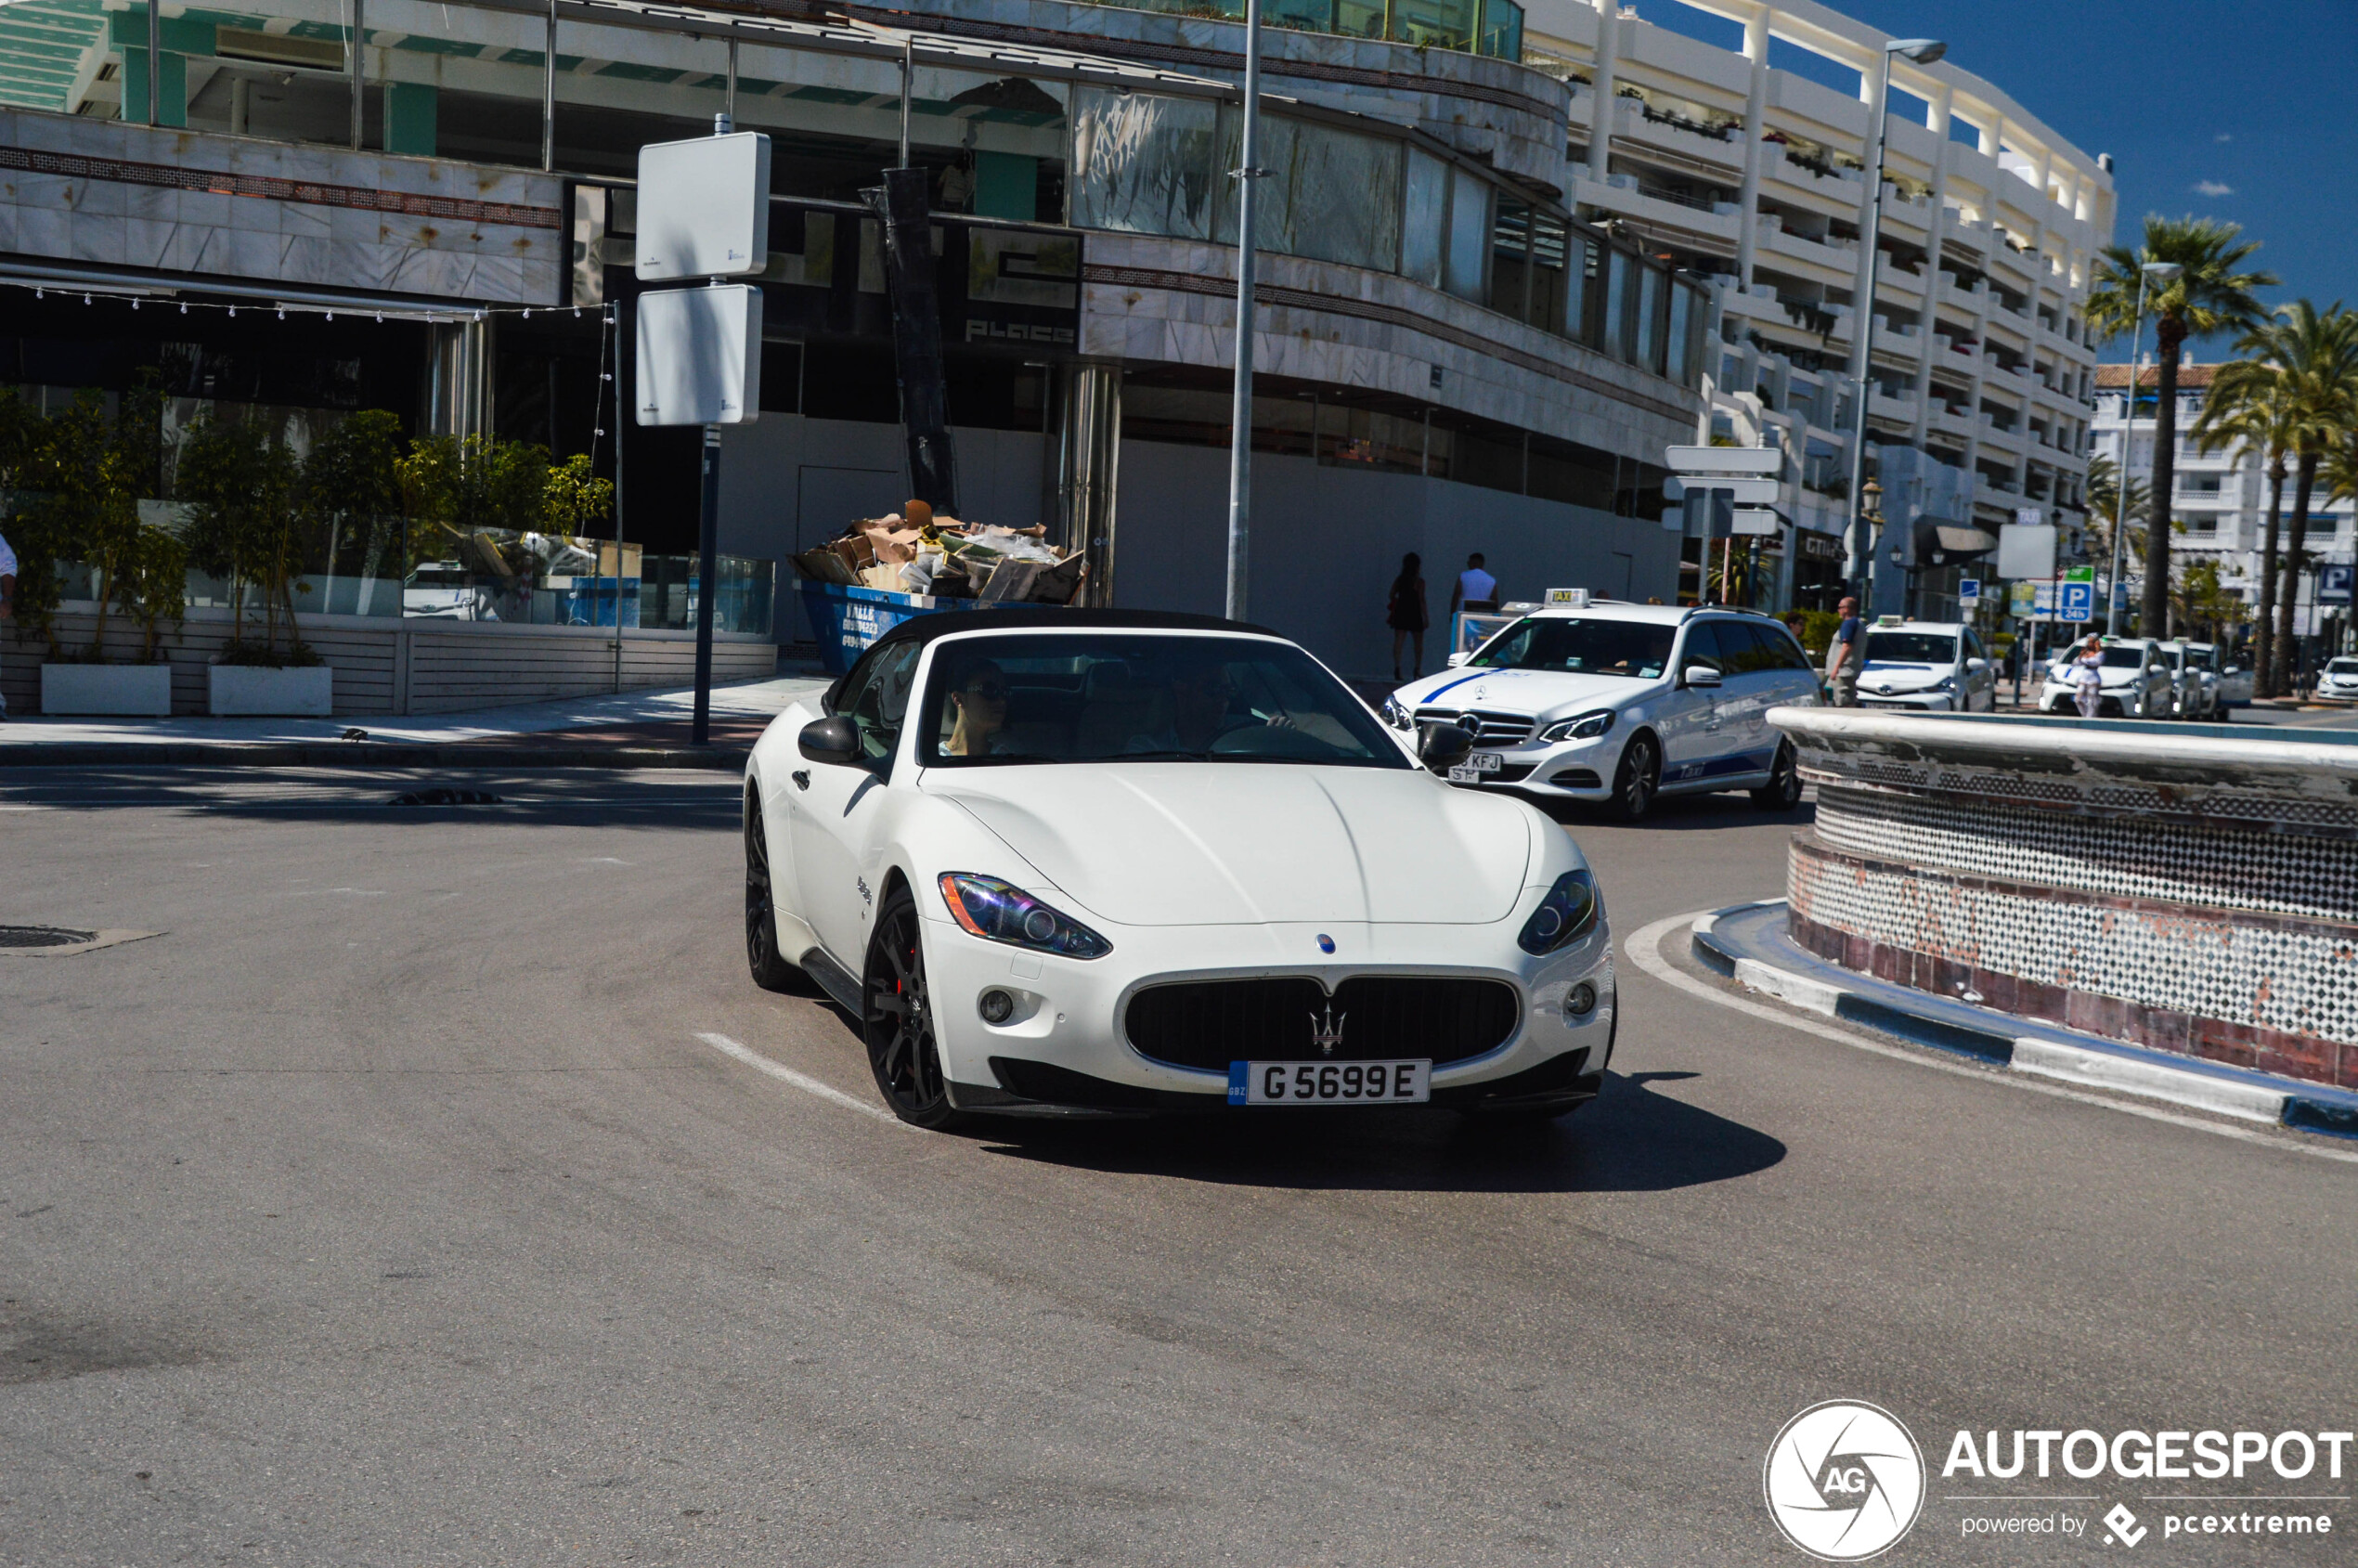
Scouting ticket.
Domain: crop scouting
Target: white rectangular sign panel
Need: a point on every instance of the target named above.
(704, 207)
(1739, 492)
(1757, 519)
(700, 355)
(1766, 461)
(2027, 550)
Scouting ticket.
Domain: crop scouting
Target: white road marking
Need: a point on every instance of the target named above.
(802, 1081)
(1643, 949)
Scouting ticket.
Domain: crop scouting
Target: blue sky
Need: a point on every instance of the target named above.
(2241, 109)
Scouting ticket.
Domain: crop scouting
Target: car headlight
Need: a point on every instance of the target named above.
(1563, 916)
(1396, 715)
(1580, 727)
(1946, 683)
(991, 909)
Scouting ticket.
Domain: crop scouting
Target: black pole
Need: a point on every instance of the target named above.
(707, 583)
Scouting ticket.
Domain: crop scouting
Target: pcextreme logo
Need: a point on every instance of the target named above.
(1843, 1481)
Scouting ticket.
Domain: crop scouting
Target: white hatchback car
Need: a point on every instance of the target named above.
(2337, 682)
(2136, 683)
(1619, 703)
(1929, 667)
(2193, 685)
(1071, 860)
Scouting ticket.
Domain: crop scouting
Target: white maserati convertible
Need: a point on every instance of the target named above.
(1059, 861)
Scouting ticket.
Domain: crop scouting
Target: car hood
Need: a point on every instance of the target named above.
(1535, 692)
(1904, 677)
(1205, 844)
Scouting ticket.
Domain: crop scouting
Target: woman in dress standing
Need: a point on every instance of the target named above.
(1405, 614)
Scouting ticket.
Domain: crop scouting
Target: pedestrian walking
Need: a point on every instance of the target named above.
(1476, 590)
(7, 598)
(1846, 653)
(2088, 678)
(1405, 614)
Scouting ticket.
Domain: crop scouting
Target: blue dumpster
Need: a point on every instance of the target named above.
(847, 620)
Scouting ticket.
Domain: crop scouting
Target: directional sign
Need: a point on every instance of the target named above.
(2079, 574)
(2333, 584)
(1765, 460)
(704, 207)
(2079, 602)
(1739, 492)
(1757, 519)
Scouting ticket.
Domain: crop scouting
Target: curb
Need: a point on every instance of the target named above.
(366, 754)
(2124, 1070)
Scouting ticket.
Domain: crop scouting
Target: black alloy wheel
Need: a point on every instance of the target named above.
(1783, 792)
(1636, 780)
(898, 1019)
(771, 970)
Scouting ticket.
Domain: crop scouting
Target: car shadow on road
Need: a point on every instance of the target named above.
(1679, 813)
(1631, 1139)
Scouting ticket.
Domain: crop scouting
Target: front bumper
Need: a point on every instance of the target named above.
(1065, 1045)
(1918, 702)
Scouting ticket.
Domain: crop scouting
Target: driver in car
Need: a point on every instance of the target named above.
(1201, 693)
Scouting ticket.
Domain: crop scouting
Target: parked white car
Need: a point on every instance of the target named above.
(2136, 683)
(2233, 676)
(2337, 682)
(1620, 703)
(2194, 685)
(1930, 666)
(1067, 860)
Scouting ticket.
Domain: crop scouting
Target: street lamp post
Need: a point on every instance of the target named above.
(1240, 405)
(1858, 551)
(2150, 272)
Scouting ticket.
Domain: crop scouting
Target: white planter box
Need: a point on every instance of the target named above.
(119, 690)
(304, 692)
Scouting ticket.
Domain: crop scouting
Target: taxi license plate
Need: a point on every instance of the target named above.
(1330, 1083)
(1476, 764)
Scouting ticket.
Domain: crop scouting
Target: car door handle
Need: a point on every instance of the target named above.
(802, 778)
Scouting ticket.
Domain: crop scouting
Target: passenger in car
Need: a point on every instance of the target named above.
(978, 704)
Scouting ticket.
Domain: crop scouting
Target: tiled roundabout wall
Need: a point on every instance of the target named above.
(2203, 905)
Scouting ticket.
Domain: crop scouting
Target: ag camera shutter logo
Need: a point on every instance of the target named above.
(1843, 1481)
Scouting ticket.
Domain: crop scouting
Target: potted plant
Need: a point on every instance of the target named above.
(243, 487)
(86, 474)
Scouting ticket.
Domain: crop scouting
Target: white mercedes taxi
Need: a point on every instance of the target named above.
(1618, 704)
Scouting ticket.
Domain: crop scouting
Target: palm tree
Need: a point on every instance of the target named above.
(2106, 505)
(2208, 295)
(2313, 357)
(2248, 409)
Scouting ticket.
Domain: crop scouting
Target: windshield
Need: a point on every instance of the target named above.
(2342, 667)
(2124, 659)
(1115, 697)
(1637, 649)
(1910, 647)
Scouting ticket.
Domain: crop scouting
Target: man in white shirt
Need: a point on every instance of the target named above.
(1476, 590)
(7, 598)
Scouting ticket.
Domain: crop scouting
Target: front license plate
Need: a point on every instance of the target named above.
(1330, 1083)
(1465, 775)
(1483, 761)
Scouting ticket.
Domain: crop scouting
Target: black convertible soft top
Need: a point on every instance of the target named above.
(1048, 617)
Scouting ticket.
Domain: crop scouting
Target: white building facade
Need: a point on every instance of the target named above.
(2219, 500)
(1740, 168)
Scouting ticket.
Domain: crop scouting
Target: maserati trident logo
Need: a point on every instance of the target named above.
(1327, 1033)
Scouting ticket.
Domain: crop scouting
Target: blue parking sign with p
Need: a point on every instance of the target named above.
(2078, 602)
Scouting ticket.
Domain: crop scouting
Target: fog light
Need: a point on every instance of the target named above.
(1580, 1001)
(998, 1006)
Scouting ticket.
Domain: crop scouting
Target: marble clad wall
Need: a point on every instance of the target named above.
(1146, 298)
(77, 191)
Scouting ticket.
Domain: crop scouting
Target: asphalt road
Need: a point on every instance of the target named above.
(387, 1208)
